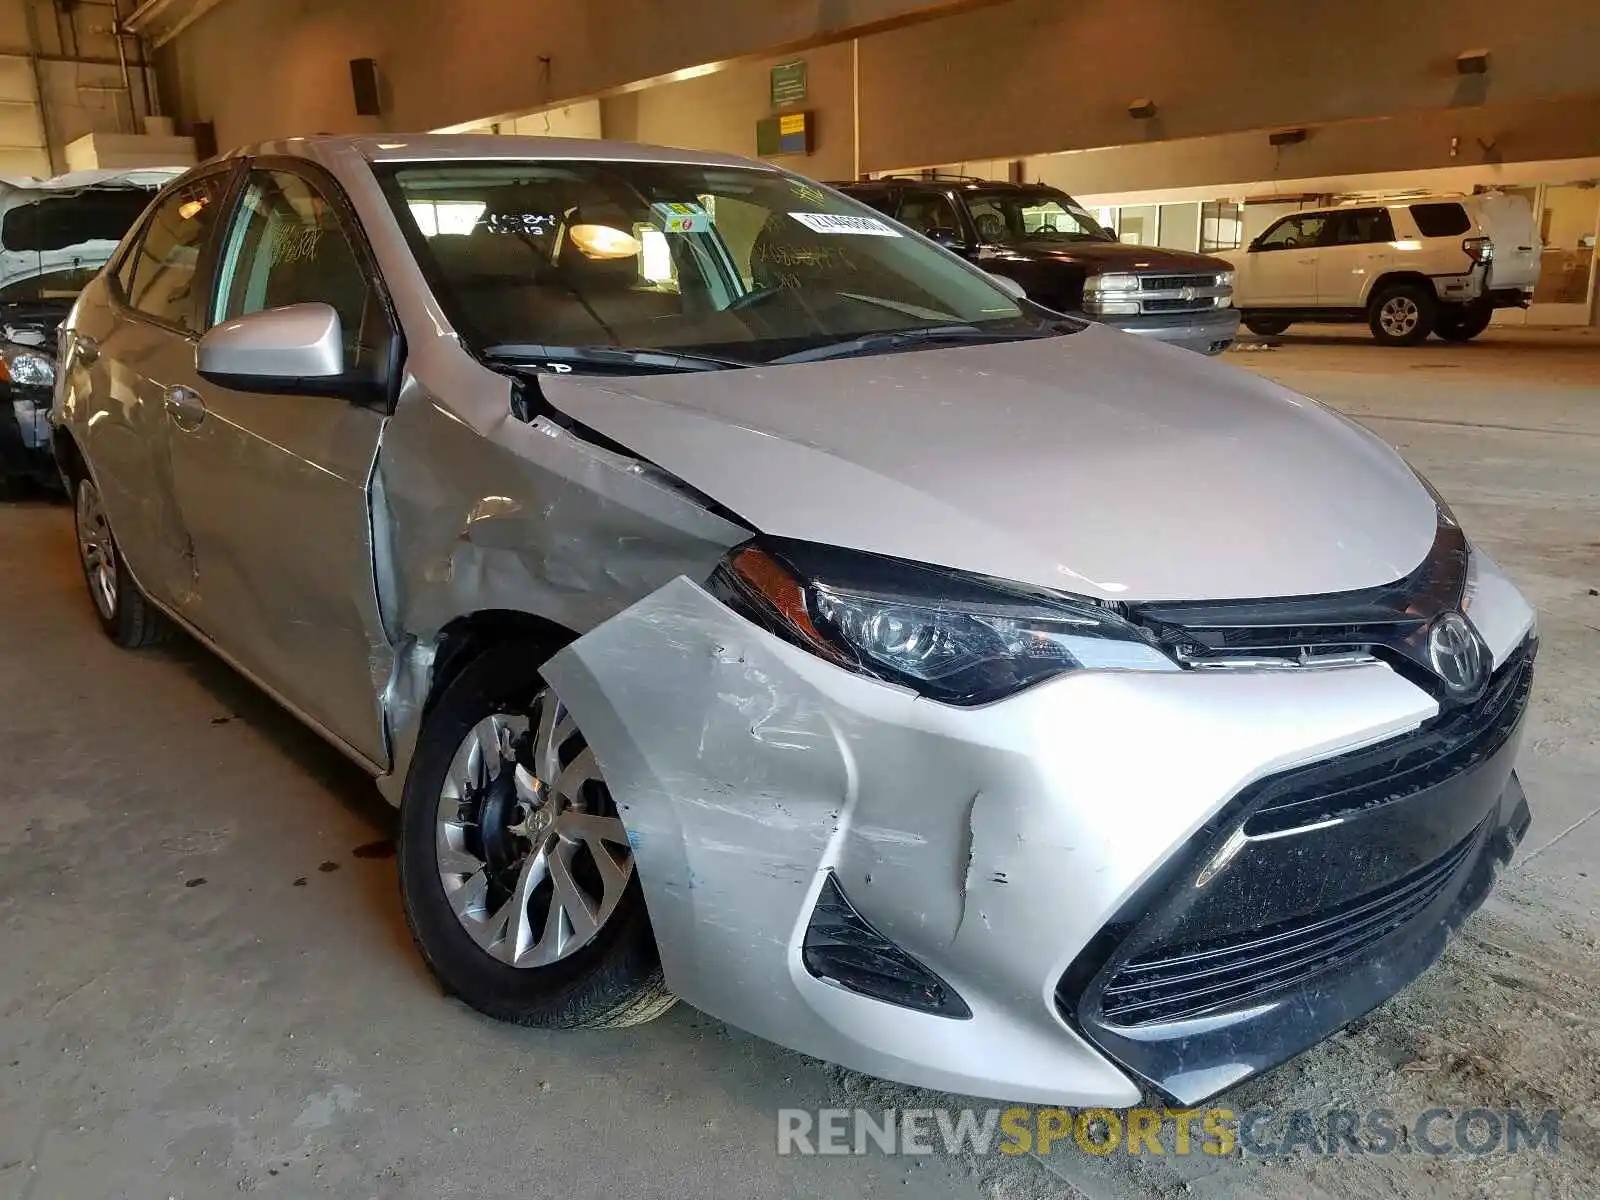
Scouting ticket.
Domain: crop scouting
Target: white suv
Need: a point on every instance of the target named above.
(1407, 268)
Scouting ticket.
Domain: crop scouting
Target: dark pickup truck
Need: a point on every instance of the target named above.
(1064, 259)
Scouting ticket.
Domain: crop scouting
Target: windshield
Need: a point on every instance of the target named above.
(742, 264)
(1032, 215)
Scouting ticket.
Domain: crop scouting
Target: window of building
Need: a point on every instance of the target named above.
(1221, 226)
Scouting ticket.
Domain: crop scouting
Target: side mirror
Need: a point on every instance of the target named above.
(1255, 244)
(1009, 286)
(281, 346)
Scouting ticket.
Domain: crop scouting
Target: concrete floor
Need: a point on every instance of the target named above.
(207, 987)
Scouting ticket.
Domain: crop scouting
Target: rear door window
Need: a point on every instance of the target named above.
(931, 214)
(1363, 226)
(884, 202)
(167, 262)
(1441, 220)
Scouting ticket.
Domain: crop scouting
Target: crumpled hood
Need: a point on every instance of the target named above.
(1092, 463)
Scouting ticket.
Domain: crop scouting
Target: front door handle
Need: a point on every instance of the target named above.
(184, 407)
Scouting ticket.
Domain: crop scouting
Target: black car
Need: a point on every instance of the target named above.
(55, 235)
(1063, 258)
(30, 312)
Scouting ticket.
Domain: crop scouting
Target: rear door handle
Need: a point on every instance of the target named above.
(184, 407)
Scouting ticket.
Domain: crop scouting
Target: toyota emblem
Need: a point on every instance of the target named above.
(1455, 653)
(1186, 293)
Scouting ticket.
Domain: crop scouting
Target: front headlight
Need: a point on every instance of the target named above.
(1225, 280)
(956, 638)
(1111, 283)
(26, 368)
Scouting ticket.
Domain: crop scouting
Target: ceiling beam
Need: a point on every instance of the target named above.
(159, 21)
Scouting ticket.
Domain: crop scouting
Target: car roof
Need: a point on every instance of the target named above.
(942, 182)
(445, 147)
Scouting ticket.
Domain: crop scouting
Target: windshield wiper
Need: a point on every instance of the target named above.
(874, 343)
(561, 358)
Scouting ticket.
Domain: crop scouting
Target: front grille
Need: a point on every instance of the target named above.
(1173, 283)
(1178, 293)
(1390, 621)
(1161, 985)
(1309, 898)
(1199, 304)
(1456, 742)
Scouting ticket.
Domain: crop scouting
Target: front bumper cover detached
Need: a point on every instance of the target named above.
(973, 899)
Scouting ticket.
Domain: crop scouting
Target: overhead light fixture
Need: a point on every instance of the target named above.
(1142, 109)
(188, 211)
(1472, 62)
(1287, 137)
(603, 241)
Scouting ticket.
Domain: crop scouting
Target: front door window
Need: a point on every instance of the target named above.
(288, 246)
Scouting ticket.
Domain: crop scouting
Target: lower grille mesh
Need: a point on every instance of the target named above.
(1456, 742)
(1164, 985)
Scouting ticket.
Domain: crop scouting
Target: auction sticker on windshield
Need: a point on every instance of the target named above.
(838, 223)
(682, 218)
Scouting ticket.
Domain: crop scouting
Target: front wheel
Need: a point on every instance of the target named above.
(515, 870)
(1402, 314)
(1265, 326)
(1462, 325)
(127, 618)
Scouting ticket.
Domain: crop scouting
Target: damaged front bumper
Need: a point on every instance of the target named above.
(1019, 855)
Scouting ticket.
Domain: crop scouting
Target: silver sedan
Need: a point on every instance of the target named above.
(746, 600)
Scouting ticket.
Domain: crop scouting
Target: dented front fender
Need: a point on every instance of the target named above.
(989, 843)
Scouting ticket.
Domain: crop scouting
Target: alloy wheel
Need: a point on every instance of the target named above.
(97, 550)
(1399, 316)
(530, 851)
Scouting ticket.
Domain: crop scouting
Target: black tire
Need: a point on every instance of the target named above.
(1462, 324)
(126, 616)
(1402, 314)
(1266, 326)
(613, 980)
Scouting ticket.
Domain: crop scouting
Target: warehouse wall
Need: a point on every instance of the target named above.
(720, 111)
(60, 79)
(1454, 138)
(1032, 76)
(475, 62)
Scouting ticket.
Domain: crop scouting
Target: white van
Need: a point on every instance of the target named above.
(1408, 268)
